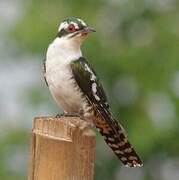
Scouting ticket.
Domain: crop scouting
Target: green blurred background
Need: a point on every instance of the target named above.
(136, 54)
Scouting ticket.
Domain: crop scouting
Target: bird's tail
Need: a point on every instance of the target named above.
(117, 140)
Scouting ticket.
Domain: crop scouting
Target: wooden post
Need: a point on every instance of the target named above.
(61, 149)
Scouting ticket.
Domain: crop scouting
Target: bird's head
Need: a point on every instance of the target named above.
(74, 30)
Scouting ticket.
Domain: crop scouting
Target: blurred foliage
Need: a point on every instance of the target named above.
(12, 145)
(135, 52)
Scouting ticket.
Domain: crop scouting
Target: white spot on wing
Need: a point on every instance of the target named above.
(96, 97)
(94, 88)
(94, 85)
(93, 77)
(106, 103)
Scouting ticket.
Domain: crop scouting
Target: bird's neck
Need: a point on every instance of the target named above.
(64, 50)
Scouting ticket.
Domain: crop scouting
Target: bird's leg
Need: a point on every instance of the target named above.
(87, 122)
(59, 115)
(80, 115)
(73, 114)
(66, 114)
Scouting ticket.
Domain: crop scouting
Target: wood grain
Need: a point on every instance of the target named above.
(61, 149)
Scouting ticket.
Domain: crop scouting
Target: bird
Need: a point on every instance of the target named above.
(76, 88)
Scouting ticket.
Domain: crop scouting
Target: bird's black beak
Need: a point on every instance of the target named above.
(89, 30)
(85, 31)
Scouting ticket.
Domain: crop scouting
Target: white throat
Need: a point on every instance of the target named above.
(63, 50)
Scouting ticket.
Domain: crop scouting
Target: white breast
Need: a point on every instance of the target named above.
(59, 76)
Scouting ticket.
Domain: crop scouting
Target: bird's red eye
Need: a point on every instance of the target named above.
(71, 28)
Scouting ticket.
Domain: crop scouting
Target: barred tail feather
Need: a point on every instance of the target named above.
(118, 142)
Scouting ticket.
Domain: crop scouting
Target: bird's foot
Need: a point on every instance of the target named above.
(79, 114)
(59, 115)
(70, 115)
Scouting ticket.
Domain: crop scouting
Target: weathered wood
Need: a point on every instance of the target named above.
(61, 149)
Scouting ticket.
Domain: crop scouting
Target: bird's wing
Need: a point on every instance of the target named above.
(44, 71)
(112, 131)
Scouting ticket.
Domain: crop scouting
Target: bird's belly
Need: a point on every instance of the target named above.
(64, 90)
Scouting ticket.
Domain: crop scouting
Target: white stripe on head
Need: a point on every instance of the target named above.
(82, 22)
(63, 25)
